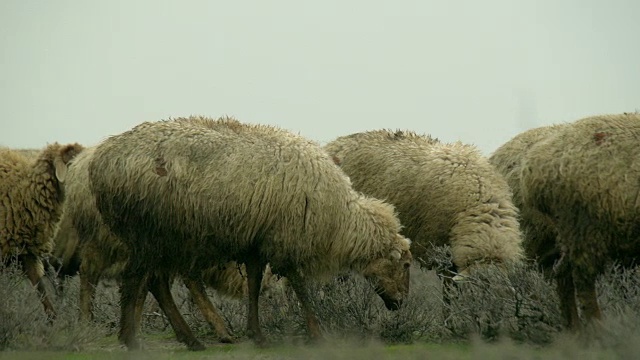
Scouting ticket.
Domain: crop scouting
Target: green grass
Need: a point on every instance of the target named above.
(162, 346)
(248, 351)
(474, 350)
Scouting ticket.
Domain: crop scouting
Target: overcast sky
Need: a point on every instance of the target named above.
(475, 71)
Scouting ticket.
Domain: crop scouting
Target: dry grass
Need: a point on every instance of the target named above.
(492, 315)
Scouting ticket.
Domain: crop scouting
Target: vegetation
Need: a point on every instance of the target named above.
(493, 314)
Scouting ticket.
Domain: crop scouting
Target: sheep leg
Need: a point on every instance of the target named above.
(566, 291)
(207, 309)
(586, 294)
(88, 283)
(254, 279)
(130, 290)
(86, 296)
(142, 297)
(33, 267)
(303, 295)
(160, 288)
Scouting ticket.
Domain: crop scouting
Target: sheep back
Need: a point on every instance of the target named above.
(445, 194)
(102, 253)
(199, 189)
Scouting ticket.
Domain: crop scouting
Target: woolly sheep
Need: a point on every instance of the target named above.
(31, 200)
(539, 235)
(584, 179)
(55, 268)
(445, 194)
(184, 195)
(84, 244)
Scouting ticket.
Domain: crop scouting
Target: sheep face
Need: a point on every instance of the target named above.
(390, 277)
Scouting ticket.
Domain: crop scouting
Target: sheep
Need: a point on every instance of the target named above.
(446, 194)
(84, 244)
(53, 267)
(190, 192)
(584, 179)
(539, 235)
(31, 199)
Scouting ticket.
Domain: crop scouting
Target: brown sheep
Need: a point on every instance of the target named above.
(31, 200)
(184, 195)
(584, 179)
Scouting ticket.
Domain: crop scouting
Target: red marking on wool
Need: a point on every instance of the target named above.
(161, 170)
(599, 137)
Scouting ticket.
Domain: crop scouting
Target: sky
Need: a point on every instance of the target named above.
(475, 71)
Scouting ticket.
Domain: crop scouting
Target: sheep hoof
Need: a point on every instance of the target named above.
(260, 342)
(51, 318)
(133, 345)
(196, 346)
(316, 340)
(226, 339)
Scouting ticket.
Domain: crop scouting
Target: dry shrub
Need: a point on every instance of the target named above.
(24, 325)
(517, 303)
(515, 307)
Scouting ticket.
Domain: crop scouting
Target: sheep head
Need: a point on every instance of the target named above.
(65, 154)
(389, 274)
(57, 158)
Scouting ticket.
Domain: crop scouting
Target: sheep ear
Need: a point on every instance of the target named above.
(61, 169)
(395, 254)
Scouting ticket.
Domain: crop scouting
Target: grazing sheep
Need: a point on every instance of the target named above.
(584, 179)
(539, 238)
(187, 193)
(539, 235)
(31, 200)
(84, 244)
(53, 267)
(445, 194)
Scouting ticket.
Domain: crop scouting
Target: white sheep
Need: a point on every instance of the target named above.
(188, 193)
(584, 179)
(539, 234)
(85, 245)
(445, 194)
